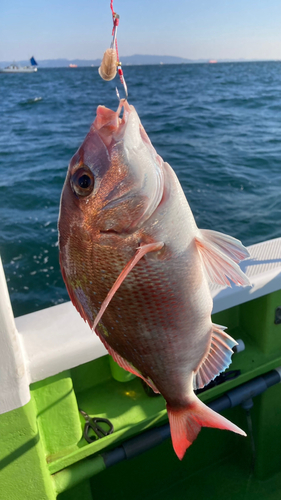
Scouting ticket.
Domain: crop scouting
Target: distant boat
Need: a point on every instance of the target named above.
(212, 61)
(72, 65)
(13, 68)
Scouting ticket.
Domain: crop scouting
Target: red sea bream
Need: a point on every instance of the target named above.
(137, 268)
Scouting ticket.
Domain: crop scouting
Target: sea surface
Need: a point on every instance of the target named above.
(218, 125)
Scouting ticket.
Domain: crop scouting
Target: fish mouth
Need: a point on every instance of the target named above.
(111, 126)
(110, 231)
(125, 138)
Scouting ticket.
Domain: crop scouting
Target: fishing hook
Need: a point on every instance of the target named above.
(125, 90)
(111, 64)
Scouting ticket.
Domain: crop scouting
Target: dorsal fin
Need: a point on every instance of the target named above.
(220, 254)
(217, 359)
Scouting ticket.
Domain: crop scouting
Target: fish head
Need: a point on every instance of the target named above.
(115, 180)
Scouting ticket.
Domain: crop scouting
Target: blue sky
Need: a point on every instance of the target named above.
(195, 29)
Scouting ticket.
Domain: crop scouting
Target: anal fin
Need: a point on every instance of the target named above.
(218, 358)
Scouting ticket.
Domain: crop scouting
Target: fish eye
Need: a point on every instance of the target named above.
(82, 182)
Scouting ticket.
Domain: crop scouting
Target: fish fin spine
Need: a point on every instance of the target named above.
(220, 255)
(218, 358)
(126, 365)
(186, 423)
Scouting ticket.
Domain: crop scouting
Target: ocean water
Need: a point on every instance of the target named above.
(218, 125)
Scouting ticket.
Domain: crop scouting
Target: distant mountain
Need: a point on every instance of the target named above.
(146, 59)
(64, 63)
(137, 59)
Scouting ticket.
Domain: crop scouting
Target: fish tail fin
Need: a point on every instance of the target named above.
(186, 423)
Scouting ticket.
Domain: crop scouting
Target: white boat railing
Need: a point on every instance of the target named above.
(14, 377)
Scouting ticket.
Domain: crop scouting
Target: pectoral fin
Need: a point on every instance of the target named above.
(141, 251)
(217, 359)
(220, 254)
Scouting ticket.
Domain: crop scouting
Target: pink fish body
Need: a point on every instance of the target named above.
(137, 267)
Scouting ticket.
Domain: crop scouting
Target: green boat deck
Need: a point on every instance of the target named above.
(44, 455)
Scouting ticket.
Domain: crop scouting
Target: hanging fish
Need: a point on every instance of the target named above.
(137, 267)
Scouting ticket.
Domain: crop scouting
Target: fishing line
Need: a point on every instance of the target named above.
(111, 64)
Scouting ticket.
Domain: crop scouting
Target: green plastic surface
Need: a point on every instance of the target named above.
(43, 454)
(23, 468)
